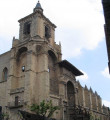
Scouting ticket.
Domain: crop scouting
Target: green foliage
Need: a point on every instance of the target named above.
(44, 108)
(5, 116)
(20, 116)
(52, 109)
(92, 118)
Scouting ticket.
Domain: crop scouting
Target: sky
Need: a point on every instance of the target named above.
(80, 29)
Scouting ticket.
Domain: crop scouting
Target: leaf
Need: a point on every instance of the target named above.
(43, 108)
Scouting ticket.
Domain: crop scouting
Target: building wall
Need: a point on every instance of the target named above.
(4, 63)
(80, 95)
(34, 85)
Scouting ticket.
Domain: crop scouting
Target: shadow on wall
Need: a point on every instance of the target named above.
(29, 116)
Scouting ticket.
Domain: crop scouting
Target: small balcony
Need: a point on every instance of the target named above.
(15, 104)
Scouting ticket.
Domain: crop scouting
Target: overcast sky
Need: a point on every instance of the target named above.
(79, 29)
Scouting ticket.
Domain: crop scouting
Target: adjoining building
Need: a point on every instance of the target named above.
(33, 70)
(106, 8)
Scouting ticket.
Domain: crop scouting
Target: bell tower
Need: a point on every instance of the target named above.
(32, 59)
(36, 26)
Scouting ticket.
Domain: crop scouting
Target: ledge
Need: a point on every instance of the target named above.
(12, 104)
(3, 81)
(70, 67)
(18, 90)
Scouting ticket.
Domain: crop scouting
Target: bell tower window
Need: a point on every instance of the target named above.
(47, 32)
(26, 29)
(16, 100)
(5, 74)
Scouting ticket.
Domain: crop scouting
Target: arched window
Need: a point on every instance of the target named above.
(5, 74)
(70, 94)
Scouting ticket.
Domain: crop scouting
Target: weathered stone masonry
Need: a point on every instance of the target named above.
(33, 70)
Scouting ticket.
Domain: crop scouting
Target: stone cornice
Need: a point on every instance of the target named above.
(31, 15)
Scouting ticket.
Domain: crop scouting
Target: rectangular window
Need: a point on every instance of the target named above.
(26, 29)
(16, 100)
(47, 32)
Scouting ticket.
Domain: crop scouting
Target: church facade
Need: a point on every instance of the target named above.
(33, 70)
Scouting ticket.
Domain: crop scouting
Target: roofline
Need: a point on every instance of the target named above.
(70, 67)
(5, 53)
(30, 15)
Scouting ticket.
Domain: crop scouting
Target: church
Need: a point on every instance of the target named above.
(33, 70)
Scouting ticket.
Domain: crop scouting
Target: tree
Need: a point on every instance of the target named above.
(45, 109)
(5, 116)
(91, 117)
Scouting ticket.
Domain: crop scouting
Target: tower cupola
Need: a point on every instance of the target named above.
(38, 7)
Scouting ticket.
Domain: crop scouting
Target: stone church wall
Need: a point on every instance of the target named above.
(87, 97)
(80, 95)
(37, 72)
(4, 63)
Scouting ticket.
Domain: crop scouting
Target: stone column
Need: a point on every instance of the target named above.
(83, 97)
(30, 76)
(43, 76)
(90, 101)
(11, 75)
(76, 96)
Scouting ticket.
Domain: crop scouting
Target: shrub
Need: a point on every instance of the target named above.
(45, 109)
